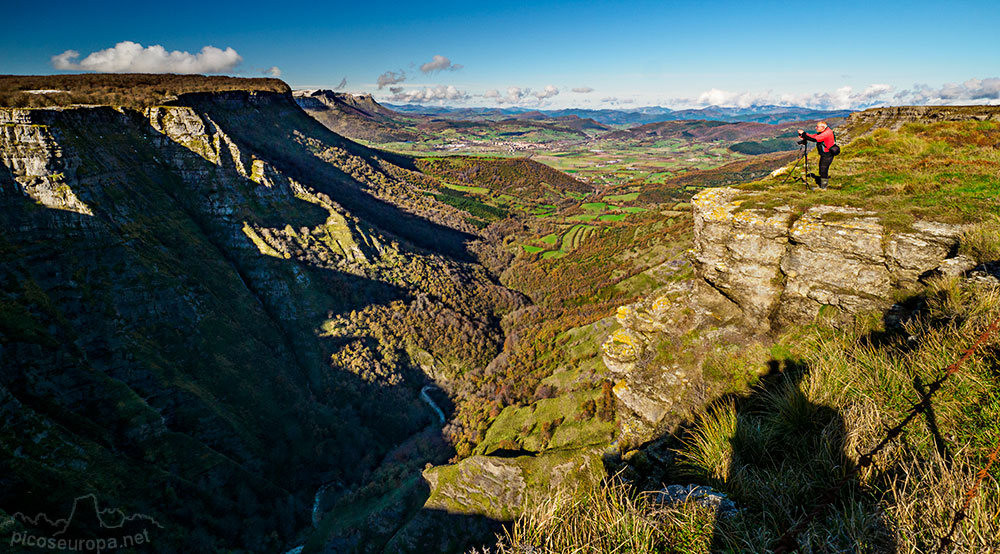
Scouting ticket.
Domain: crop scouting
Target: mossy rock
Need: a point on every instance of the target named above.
(497, 488)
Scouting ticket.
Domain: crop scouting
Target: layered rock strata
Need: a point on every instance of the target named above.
(657, 350)
(782, 268)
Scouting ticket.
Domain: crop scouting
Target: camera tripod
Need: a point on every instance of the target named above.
(804, 157)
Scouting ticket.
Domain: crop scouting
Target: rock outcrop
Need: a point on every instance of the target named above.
(657, 351)
(497, 487)
(758, 270)
(782, 268)
(864, 122)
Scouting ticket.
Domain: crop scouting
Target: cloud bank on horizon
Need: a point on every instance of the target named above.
(974, 91)
(439, 94)
(979, 91)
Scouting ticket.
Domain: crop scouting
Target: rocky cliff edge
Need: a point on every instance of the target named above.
(759, 270)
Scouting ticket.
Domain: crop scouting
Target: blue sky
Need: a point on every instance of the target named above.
(535, 54)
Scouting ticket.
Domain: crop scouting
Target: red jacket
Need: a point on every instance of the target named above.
(825, 137)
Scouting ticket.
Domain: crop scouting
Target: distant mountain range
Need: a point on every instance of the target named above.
(636, 116)
(761, 129)
(360, 117)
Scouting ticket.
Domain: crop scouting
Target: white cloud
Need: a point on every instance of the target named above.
(439, 63)
(980, 91)
(132, 57)
(390, 78)
(439, 93)
(840, 99)
(583, 90)
(515, 95)
(616, 100)
(273, 71)
(548, 92)
(492, 93)
(717, 97)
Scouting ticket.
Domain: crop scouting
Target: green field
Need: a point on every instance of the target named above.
(465, 188)
(622, 197)
(577, 234)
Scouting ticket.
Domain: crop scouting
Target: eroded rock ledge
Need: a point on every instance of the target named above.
(759, 270)
(782, 268)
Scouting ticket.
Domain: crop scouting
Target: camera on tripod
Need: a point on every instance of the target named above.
(801, 142)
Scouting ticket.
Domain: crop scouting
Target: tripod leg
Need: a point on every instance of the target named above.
(805, 165)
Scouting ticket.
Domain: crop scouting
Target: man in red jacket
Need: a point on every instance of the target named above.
(824, 143)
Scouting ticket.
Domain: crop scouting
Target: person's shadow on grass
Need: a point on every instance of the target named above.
(787, 452)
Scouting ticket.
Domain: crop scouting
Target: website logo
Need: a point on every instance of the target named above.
(88, 528)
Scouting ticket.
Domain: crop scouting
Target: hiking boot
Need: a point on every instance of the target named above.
(823, 182)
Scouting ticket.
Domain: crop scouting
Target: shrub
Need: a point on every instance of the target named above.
(606, 403)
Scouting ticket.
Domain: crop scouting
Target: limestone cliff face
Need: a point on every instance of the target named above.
(43, 171)
(782, 268)
(168, 281)
(339, 243)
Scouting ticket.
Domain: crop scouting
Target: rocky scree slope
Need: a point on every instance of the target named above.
(206, 312)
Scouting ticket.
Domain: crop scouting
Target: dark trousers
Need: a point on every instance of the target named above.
(825, 159)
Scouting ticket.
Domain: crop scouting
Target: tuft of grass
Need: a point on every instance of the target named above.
(708, 451)
(981, 241)
(611, 518)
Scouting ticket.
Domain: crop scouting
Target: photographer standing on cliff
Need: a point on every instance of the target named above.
(827, 147)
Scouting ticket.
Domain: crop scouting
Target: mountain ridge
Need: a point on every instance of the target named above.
(638, 116)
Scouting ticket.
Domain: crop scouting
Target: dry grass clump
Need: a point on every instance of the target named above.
(611, 518)
(981, 241)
